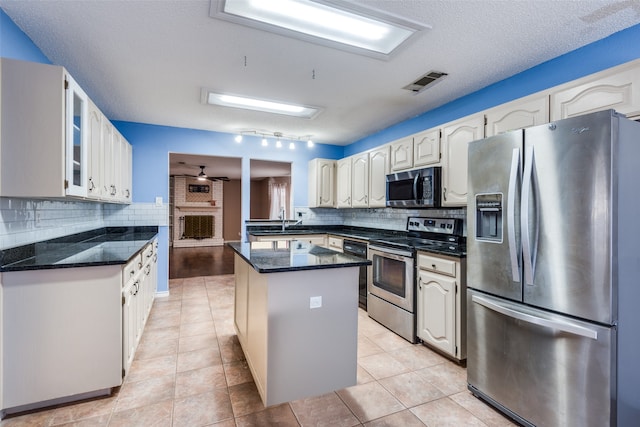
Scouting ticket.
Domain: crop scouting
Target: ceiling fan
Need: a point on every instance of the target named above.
(202, 176)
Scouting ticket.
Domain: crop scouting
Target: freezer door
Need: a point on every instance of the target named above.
(547, 369)
(493, 213)
(567, 217)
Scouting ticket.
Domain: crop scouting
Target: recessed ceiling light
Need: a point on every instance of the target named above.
(337, 23)
(256, 104)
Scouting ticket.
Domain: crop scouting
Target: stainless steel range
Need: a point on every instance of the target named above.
(391, 280)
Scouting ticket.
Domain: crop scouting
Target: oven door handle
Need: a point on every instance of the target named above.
(391, 253)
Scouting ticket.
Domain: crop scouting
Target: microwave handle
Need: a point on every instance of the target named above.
(416, 181)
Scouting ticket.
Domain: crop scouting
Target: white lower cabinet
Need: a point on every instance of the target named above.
(441, 308)
(335, 243)
(140, 284)
(62, 335)
(314, 239)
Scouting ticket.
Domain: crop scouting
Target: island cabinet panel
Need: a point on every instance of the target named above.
(301, 330)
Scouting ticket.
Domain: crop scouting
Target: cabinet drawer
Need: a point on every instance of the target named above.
(130, 270)
(335, 243)
(438, 265)
(147, 252)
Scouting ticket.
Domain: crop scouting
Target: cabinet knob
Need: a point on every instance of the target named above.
(434, 266)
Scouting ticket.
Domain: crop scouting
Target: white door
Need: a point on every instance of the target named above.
(426, 148)
(378, 170)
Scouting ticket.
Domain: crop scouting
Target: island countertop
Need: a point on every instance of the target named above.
(292, 255)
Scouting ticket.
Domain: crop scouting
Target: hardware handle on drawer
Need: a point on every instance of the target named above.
(92, 186)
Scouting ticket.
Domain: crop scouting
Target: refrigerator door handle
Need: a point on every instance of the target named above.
(527, 185)
(514, 251)
(563, 326)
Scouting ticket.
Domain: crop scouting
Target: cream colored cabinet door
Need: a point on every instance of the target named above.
(108, 161)
(617, 89)
(343, 183)
(378, 170)
(360, 180)
(96, 167)
(402, 154)
(456, 137)
(426, 148)
(436, 311)
(519, 114)
(125, 170)
(322, 183)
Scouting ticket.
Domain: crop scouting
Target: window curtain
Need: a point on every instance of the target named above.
(278, 196)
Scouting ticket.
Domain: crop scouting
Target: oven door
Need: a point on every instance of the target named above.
(391, 276)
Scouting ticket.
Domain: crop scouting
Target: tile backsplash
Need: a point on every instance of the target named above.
(24, 221)
(385, 218)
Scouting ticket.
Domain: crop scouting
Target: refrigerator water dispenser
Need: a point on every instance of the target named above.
(489, 217)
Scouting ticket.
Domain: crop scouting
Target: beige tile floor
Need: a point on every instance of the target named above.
(189, 370)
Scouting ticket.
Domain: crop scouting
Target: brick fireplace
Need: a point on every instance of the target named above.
(197, 213)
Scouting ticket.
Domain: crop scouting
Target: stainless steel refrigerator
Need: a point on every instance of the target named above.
(553, 272)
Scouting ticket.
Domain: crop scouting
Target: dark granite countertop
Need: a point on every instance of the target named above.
(360, 233)
(292, 255)
(103, 246)
(347, 232)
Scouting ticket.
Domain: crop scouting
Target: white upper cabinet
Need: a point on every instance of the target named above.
(44, 127)
(343, 183)
(322, 183)
(456, 137)
(519, 114)
(616, 88)
(77, 139)
(96, 169)
(401, 154)
(426, 148)
(360, 180)
(378, 170)
(52, 135)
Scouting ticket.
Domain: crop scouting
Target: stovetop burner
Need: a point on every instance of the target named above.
(432, 234)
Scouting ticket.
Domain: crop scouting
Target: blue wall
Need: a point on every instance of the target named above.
(616, 49)
(15, 44)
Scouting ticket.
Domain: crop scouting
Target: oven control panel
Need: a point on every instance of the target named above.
(433, 225)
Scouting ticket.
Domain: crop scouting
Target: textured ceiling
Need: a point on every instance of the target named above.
(147, 61)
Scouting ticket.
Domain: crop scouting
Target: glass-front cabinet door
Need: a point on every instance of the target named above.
(76, 139)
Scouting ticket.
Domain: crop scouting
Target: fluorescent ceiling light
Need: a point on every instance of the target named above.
(329, 22)
(248, 103)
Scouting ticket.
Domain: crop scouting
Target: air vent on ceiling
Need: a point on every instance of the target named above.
(428, 79)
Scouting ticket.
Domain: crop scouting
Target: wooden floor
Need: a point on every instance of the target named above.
(196, 262)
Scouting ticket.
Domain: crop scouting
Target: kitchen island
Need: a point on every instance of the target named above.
(296, 316)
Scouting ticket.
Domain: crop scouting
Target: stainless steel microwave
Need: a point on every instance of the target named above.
(418, 188)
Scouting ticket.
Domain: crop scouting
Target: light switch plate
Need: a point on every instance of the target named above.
(315, 302)
(159, 201)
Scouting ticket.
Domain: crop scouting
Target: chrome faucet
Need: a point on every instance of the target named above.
(284, 220)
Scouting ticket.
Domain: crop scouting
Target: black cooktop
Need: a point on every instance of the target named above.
(430, 234)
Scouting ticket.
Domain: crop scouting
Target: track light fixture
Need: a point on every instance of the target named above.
(278, 136)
